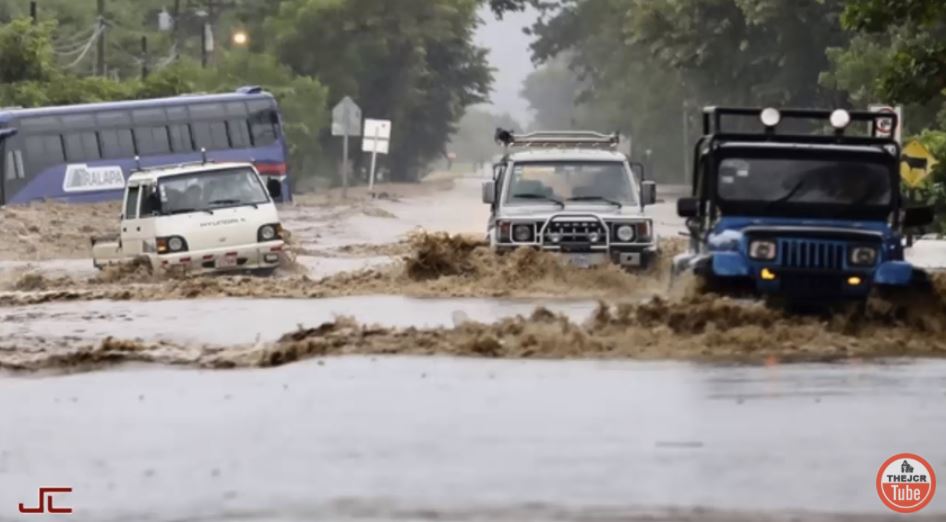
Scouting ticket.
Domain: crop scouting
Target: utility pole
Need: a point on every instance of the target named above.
(100, 50)
(144, 57)
(176, 29)
(33, 14)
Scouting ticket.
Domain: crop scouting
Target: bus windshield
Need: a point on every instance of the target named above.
(203, 191)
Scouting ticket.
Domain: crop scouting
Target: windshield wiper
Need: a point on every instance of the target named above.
(187, 211)
(597, 198)
(218, 202)
(539, 196)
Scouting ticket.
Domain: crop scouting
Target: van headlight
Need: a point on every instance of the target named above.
(171, 245)
(269, 232)
(763, 250)
(863, 256)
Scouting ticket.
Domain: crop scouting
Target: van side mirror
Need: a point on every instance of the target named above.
(649, 192)
(688, 207)
(489, 192)
(918, 217)
(274, 187)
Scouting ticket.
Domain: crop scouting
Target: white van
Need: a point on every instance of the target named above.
(207, 216)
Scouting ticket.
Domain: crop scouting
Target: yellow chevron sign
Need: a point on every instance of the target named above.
(916, 164)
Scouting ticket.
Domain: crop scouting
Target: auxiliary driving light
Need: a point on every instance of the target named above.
(767, 275)
(770, 117)
(854, 281)
(522, 233)
(840, 119)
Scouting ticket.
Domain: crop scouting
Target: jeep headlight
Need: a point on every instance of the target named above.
(863, 256)
(763, 250)
(624, 233)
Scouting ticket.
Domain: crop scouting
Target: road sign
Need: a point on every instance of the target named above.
(377, 136)
(884, 126)
(376, 140)
(346, 118)
(916, 164)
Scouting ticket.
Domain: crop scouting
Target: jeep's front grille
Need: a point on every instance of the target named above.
(811, 254)
(571, 232)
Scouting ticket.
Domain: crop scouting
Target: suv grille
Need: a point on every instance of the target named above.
(811, 254)
(573, 232)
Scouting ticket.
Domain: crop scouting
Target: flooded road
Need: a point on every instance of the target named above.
(453, 439)
(240, 321)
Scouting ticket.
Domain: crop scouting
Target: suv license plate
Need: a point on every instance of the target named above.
(227, 262)
(584, 260)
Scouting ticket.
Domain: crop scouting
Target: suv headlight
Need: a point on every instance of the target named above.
(523, 233)
(171, 245)
(269, 233)
(863, 256)
(624, 233)
(763, 250)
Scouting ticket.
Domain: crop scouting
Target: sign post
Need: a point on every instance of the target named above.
(346, 121)
(377, 141)
(916, 164)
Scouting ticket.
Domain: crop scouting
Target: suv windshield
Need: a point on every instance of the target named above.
(563, 181)
(210, 190)
(830, 187)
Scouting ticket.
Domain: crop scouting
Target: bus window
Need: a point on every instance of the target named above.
(239, 134)
(114, 119)
(43, 151)
(152, 140)
(210, 135)
(9, 168)
(180, 138)
(149, 117)
(81, 146)
(78, 122)
(131, 203)
(40, 123)
(262, 123)
(117, 143)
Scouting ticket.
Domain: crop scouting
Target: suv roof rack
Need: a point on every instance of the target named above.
(769, 119)
(552, 139)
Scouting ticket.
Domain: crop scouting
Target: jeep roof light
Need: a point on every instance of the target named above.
(729, 123)
(552, 139)
(770, 117)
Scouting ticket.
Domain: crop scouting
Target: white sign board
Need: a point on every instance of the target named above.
(83, 178)
(885, 126)
(346, 118)
(377, 136)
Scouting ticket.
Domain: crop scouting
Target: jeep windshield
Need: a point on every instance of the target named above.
(563, 182)
(207, 191)
(843, 187)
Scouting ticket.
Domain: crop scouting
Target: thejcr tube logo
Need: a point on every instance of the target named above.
(906, 483)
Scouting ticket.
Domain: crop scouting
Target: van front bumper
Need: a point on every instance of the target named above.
(255, 256)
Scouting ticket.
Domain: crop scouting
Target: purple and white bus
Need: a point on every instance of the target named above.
(84, 153)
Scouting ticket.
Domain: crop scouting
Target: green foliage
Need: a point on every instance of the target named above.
(412, 62)
(26, 52)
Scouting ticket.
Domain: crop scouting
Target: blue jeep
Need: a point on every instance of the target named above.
(804, 205)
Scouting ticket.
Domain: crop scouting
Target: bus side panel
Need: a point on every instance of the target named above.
(48, 184)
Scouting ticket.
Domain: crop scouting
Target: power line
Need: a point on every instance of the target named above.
(87, 48)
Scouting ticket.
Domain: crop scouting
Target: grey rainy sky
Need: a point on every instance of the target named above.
(510, 56)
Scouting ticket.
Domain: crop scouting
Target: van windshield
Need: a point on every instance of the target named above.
(202, 191)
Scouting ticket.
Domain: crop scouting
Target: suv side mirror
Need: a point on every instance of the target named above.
(489, 192)
(649, 192)
(688, 207)
(918, 217)
(274, 187)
